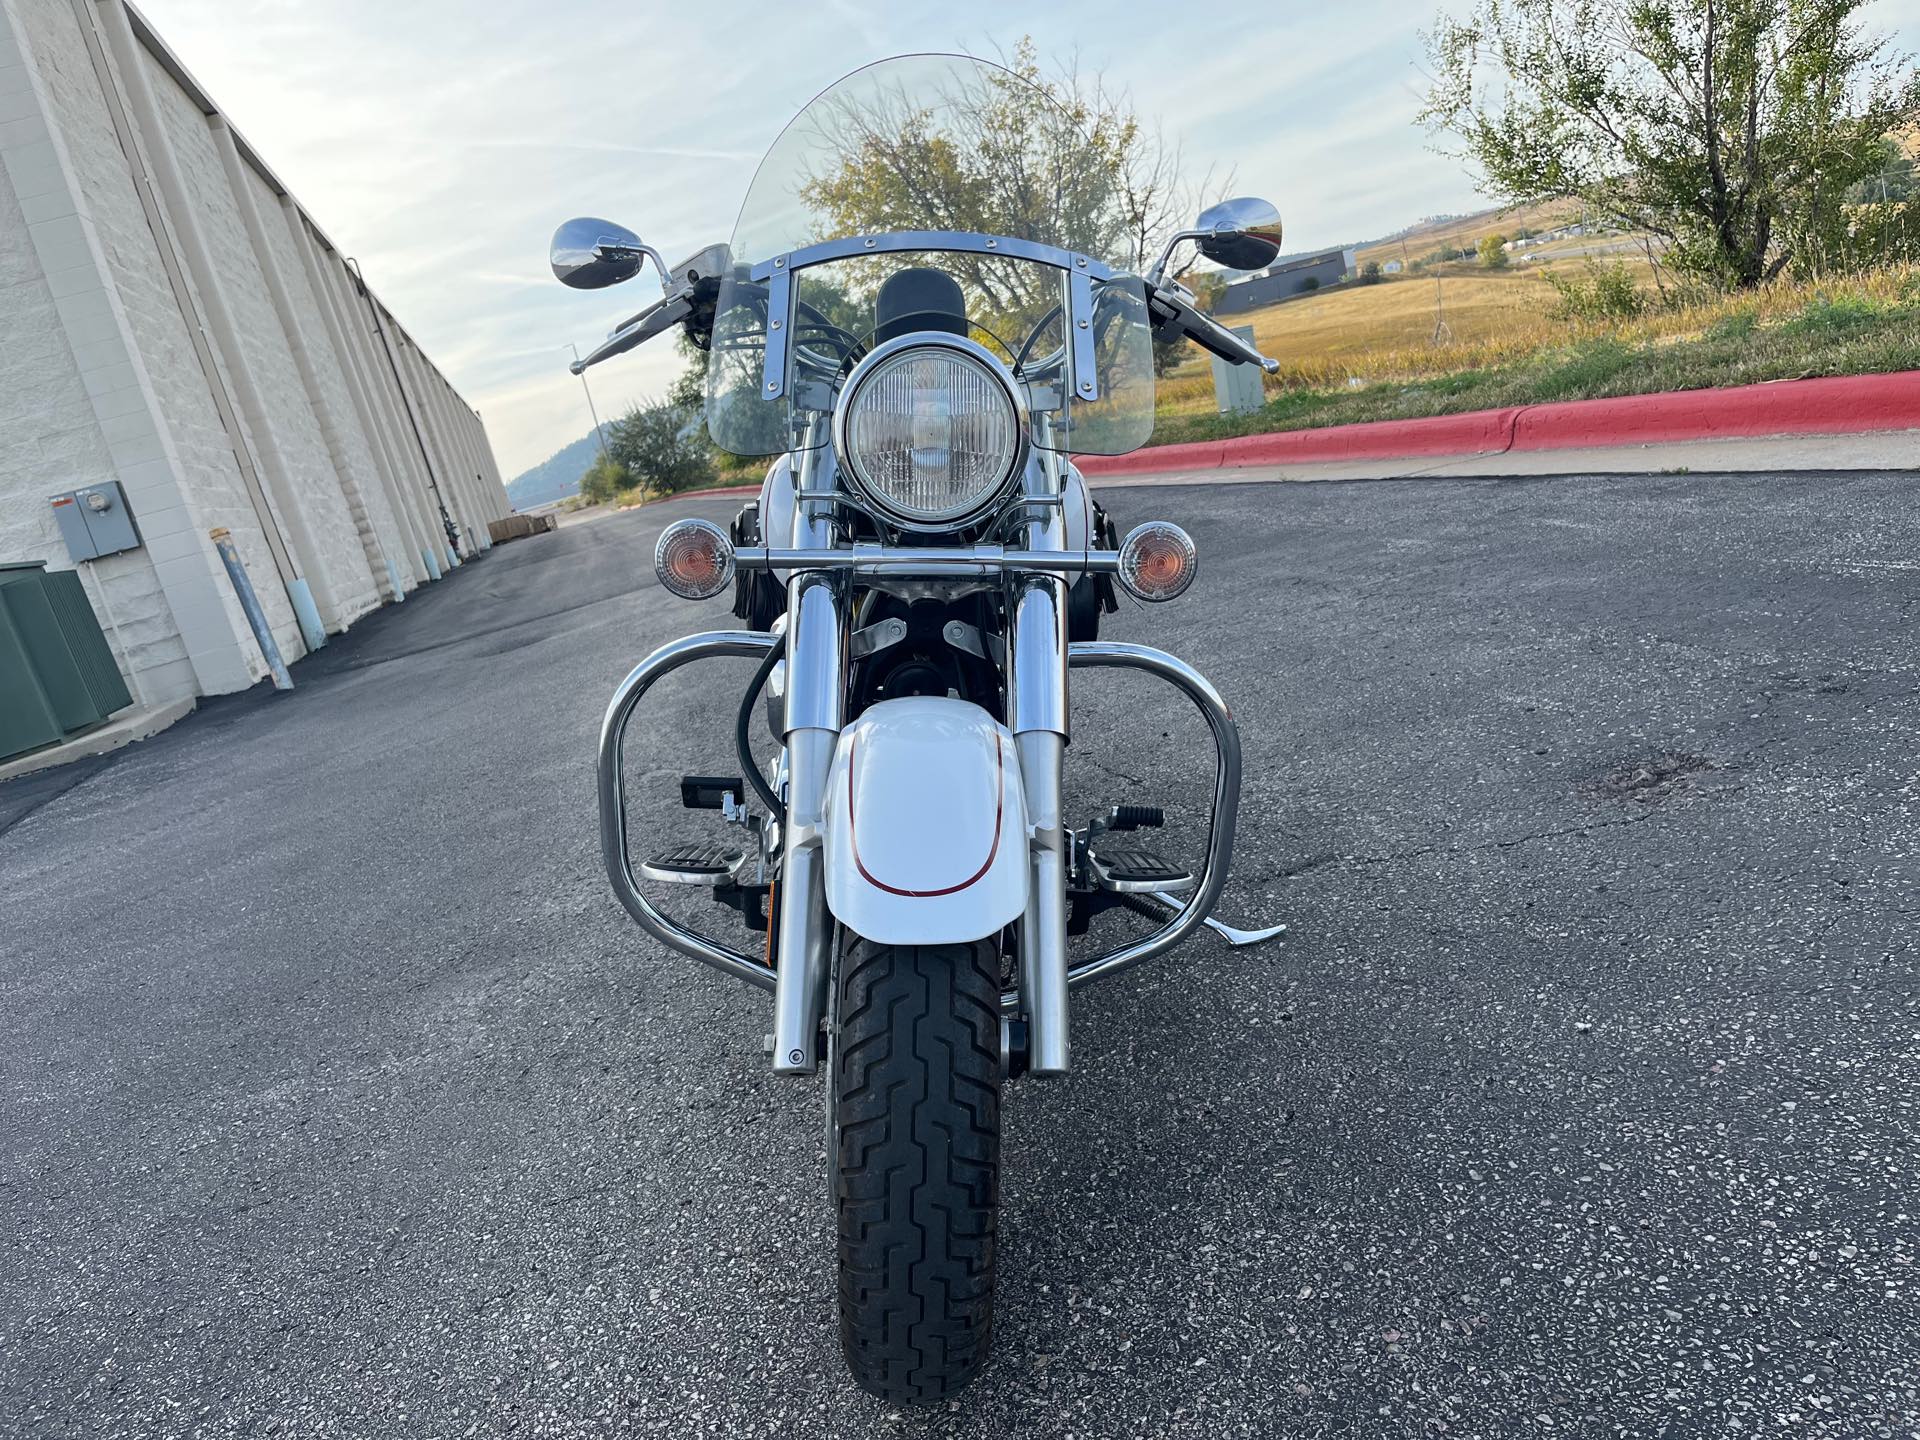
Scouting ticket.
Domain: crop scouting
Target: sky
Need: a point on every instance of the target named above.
(441, 141)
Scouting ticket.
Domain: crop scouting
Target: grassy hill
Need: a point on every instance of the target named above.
(554, 478)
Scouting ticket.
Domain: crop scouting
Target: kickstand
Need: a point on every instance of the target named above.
(1233, 937)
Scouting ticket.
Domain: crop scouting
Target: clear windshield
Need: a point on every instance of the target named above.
(934, 143)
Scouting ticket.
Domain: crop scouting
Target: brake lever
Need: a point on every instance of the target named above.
(648, 323)
(692, 283)
(1172, 304)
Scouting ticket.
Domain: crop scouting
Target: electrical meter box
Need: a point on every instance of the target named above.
(96, 521)
(1237, 388)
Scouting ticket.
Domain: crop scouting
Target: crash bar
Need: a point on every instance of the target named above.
(715, 644)
(1226, 799)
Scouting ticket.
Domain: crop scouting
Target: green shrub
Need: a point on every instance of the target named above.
(1603, 293)
(663, 447)
(605, 480)
(1583, 371)
(1737, 326)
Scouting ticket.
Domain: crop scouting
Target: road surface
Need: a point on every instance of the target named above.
(340, 1099)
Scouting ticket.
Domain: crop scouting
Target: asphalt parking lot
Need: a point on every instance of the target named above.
(339, 1098)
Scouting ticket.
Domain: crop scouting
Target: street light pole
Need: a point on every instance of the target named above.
(599, 434)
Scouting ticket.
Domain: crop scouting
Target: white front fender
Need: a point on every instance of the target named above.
(926, 824)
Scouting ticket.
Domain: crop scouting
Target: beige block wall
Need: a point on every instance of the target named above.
(99, 375)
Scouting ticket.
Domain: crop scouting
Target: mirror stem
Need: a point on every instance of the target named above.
(1159, 270)
(633, 252)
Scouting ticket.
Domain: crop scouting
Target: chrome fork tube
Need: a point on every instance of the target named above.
(816, 711)
(1037, 715)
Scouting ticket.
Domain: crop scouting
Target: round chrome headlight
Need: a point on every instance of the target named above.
(930, 430)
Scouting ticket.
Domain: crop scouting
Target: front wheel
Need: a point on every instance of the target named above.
(916, 1119)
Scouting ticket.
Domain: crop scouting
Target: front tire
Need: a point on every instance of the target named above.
(916, 1110)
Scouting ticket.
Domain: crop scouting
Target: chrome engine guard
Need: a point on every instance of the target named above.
(714, 645)
(753, 645)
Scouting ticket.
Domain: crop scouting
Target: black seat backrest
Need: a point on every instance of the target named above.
(921, 298)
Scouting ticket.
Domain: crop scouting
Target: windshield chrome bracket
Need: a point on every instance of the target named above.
(1086, 384)
(779, 316)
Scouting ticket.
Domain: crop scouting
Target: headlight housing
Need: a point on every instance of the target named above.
(930, 430)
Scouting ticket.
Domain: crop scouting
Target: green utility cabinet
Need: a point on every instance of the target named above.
(57, 673)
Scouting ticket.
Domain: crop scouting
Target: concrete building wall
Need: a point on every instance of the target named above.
(173, 320)
(50, 440)
(343, 585)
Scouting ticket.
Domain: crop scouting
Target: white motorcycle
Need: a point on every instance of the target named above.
(923, 568)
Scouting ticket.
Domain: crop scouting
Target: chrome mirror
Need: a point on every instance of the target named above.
(591, 254)
(1241, 234)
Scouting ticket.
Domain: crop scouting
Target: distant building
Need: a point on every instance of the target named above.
(1392, 267)
(1285, 280)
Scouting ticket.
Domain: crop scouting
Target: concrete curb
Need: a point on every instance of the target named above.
(1842, 405)
(123, 729)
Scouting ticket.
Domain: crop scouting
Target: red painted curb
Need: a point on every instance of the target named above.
(1841, 405)
(689, 494)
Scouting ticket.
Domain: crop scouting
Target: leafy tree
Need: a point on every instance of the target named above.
(689, 389)
(1730, 128)
(1370, 273)
(1493, 251)
(661, 448)
(1086, 172)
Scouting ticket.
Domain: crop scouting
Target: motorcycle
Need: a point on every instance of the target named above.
(920, 319)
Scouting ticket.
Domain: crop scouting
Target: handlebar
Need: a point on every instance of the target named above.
(694, 283)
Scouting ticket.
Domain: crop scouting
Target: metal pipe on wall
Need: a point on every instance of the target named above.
(459, 461)
(459, 464)
(452, 494)
(250, 606)
(472, 443)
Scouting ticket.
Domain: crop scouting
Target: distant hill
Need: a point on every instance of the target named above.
(554, 478)
(1463, 231)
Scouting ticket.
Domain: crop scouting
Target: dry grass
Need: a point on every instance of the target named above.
(1367, 334)
(1365, 353)
(1373, 331)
